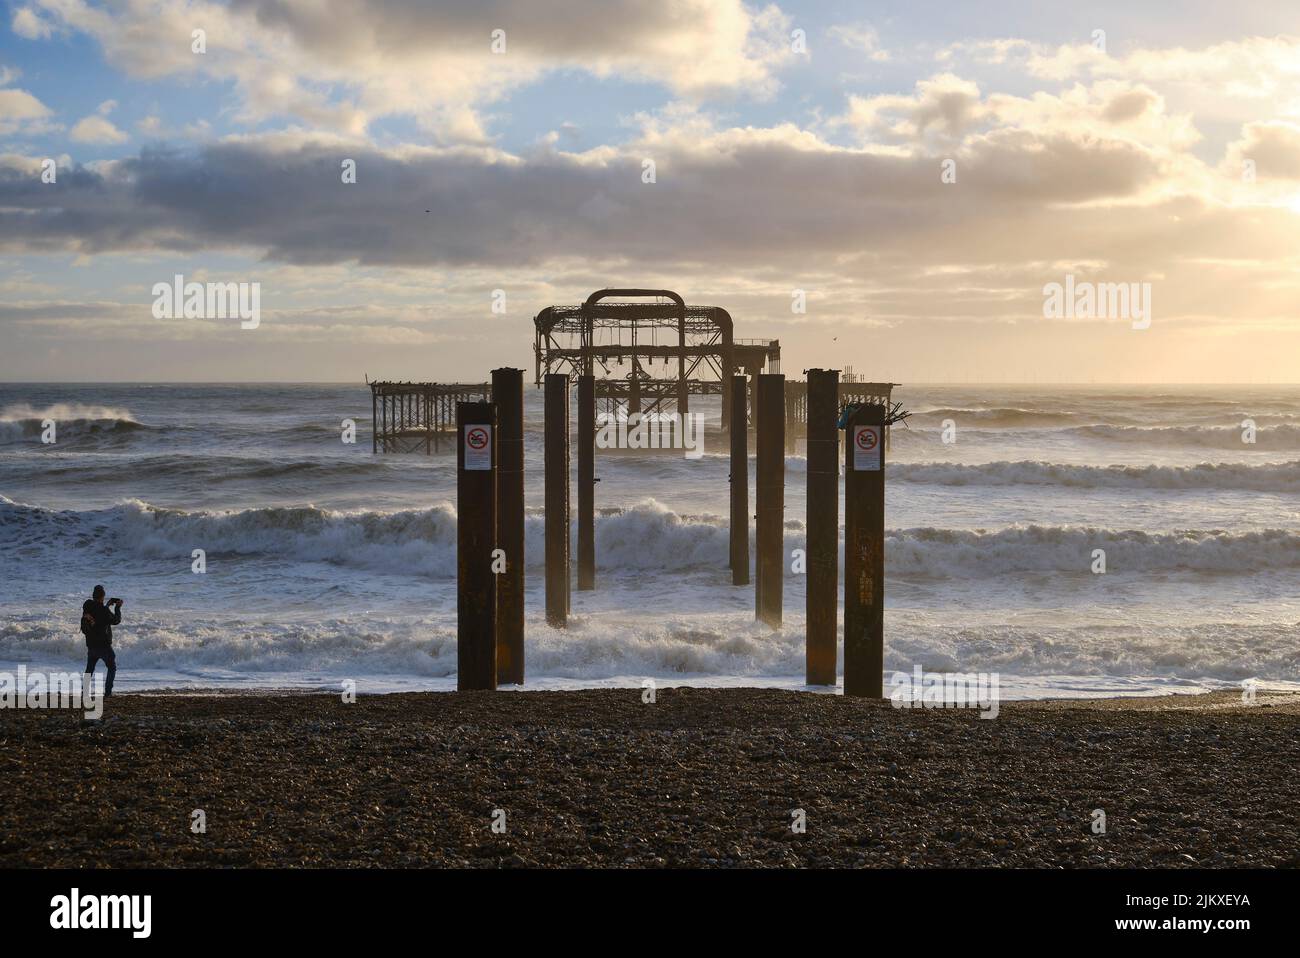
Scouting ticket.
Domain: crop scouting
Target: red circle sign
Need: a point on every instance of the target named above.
(866, 439)
(477, 438)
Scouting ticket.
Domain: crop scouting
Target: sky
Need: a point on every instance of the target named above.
(918, 173)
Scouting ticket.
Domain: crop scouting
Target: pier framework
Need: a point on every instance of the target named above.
(616, 337)
(852, 391)
(617, 329)
(617, 326)
(418, 417)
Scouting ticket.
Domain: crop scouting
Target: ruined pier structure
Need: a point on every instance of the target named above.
(418, 417)
(618, 341)
(643, 357)
(613, 330)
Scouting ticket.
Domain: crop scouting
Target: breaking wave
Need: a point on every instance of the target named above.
(974, 554)
(233, 649)
(1285, 436)
(647, 537)
(72, 421)
(1273, 477)
(998, 416)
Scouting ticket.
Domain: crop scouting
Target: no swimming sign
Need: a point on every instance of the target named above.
(866, 448)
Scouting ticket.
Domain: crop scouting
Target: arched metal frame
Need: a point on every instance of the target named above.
(706, 351)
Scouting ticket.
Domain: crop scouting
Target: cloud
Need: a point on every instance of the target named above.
(359, 325)
(342, 64)
(1253, 67)
(27, 24)
(996, 51)
(945, 105)
(21, 105)
(96, 129)
(946, 113)
(1273, 146)
(1118, 168)
(861, 37)
(1230, 80)
(20, 112)
(726, 199)
(1097, 180)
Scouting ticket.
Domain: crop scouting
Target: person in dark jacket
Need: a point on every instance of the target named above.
(97, 621)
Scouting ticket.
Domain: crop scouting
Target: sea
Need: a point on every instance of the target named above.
(327, 564)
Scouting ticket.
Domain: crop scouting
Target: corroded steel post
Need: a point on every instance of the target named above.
(476, 537)
(586, 483)
(739, 483)
(769, 464)
(557, 499)
(864, 553)
(823, 525)
(508, 397)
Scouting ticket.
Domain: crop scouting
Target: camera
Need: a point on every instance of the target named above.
(114, 601)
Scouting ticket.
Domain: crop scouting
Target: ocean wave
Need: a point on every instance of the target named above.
(1125, 441)
(1284, 436)
(996, 416)
(648, 537)
(1021, 550)
(1273, 477)
(234, 649)
(73, 421)
(210, 470)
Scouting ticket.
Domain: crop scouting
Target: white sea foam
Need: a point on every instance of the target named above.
(646, 537)
(215, 650)
(1045, 549)
(22, 421)
(1269, 477)
(325, 562)
(1283, 436)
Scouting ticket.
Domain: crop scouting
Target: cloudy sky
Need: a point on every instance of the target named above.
(798, 146)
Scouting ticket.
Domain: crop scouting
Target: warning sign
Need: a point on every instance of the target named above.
(866, 448)
(478, 447)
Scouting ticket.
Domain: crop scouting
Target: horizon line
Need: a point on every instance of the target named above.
(346, 382)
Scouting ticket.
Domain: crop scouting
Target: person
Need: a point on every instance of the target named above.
(97, 621)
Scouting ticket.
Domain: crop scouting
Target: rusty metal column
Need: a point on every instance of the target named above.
(508, 398)
(823, 546)
(586, 482)
(728, 371)
(557, 499)
(791, 421)
(753, 401)
(864, 553)
(476, 535)
(739, 484)
(374, 424)
(769, 522)
(683, 390)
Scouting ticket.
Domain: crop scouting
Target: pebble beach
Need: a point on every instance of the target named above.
(600, 778)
